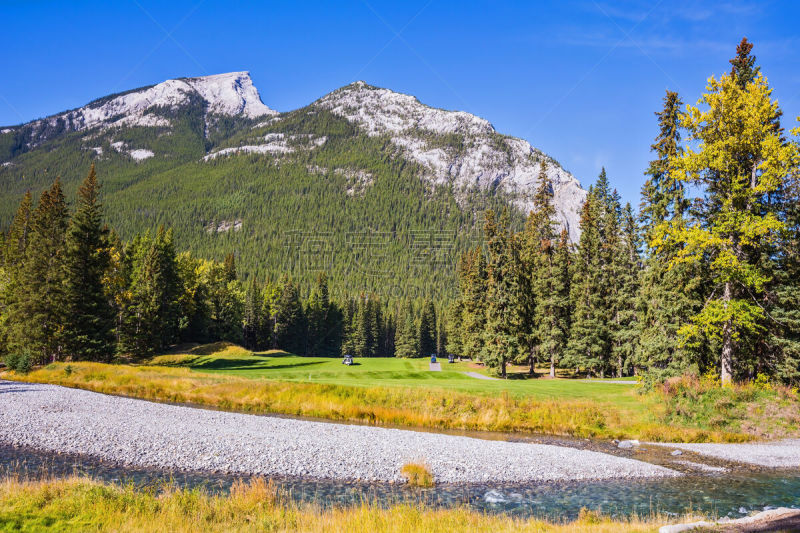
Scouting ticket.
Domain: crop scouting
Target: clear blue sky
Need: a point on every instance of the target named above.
(578, 79)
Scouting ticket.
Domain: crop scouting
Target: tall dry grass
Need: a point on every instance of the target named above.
(435, 408)
(80, 504)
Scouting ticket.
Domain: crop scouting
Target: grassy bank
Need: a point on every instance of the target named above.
(79, 504)
(389, 405)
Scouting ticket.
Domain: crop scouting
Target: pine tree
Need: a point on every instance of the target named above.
(501, 344)
(472, 274)
(405, 340)
(324, 325)
(739, 162)
(454, 344)
(554, 327)
(14, 246)
(230, 267)
(254, 323)
(744, 69)
(627, 268)
(349, 311)
(16, 242)
(290, 329)
(224, 301)
(587, 347)
(535, 298)
(427, 329)
(668, 294)
(36, 314)
(151, 321)
(89, 318)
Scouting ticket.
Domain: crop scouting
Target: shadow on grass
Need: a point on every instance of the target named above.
(248, 364)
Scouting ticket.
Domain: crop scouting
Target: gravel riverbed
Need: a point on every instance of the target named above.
(148, 434)
(776, 454)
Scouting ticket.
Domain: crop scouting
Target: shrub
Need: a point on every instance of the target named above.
(417, 474)
(20, 362)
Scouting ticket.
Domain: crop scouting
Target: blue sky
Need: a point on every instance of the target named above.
(578, 79)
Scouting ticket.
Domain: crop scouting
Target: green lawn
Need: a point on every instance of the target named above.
(393, 372)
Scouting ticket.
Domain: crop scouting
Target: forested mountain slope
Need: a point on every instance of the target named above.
(372, 186)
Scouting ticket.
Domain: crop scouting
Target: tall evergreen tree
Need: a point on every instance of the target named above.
(405, 340)
(16, 241)
(229, 267)
(501, 344)
(324, 323)
(255, 324)
(668, 293)
(427, 329)
(473, 281)
(554, 321)
(89, 318)
(289, 320)
(587, 347)
(14, 246)
(151, 321)
(739, 162)
(454, 344)
(627, 269)
(36, 314)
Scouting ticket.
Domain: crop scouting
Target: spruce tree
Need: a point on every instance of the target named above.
(554, 325)
(627, 268)
(472, 274)
(669, 293)
(454, 344)
(36, 314)
(254, 323)
(89, 318)
(406, 334)
(289, 320)
(14, 246)
(230, 267)
(323, 323)
(587, 347)
(152, 318)
(16, 241)
(427, 329)
(501, 344)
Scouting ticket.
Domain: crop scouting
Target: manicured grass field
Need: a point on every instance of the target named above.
(394, 372)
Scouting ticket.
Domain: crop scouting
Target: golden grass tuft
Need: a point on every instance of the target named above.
(417, 475)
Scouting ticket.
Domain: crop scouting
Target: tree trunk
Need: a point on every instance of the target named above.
(619, 366)
(552, 365)
(532, 362)
(503, 368)
(726, 364)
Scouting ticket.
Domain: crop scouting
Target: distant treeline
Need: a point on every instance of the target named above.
(73, 290)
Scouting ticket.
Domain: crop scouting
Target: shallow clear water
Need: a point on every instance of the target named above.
(726, 494)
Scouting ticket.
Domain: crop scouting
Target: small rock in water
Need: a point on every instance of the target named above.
(676, 452)
(494, 496)
(626, 444)
(742, 510)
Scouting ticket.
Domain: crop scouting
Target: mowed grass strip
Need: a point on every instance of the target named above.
(439, 407)
(80, 504)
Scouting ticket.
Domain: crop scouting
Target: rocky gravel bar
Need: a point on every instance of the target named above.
(776, 454)
(148, 434)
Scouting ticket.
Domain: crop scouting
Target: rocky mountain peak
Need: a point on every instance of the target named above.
(458, 148)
